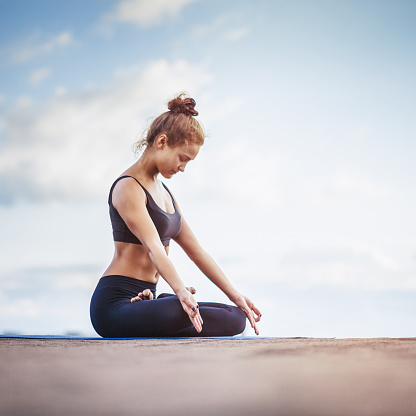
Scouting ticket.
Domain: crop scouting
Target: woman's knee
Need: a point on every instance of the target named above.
(239, 321)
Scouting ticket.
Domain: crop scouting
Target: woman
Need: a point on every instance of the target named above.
(145, 216)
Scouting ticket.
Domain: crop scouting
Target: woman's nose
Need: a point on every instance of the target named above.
(182, 168)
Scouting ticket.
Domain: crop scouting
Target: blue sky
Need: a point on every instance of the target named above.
(304, 191)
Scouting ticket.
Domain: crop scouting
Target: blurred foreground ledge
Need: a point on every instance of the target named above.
(269, 376)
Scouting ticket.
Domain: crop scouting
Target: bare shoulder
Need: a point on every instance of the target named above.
(128, 191)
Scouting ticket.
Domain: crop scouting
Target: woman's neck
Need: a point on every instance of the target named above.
(145, 167)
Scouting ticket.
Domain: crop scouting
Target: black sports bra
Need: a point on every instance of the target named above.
(167, 225)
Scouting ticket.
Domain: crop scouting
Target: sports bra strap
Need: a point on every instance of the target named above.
(167, 225)
(110, 196)
(173, 200)
(128, 176)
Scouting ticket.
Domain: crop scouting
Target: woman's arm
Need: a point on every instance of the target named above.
(130, 201)
(189, 243)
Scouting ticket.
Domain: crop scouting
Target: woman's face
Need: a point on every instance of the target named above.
(174, 159)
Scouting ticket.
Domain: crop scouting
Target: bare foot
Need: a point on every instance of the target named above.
(148, 295)
(145, 295)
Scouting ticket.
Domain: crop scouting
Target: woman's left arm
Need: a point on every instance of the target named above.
(189, 243)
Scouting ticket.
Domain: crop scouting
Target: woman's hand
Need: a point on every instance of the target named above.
(247, 306)
(191, 307)
(145, 295)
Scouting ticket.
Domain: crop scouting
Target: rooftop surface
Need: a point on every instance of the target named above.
(265, 376)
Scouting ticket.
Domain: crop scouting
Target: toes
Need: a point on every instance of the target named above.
(147, 294)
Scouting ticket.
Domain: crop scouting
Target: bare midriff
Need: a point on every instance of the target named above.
(132, 260)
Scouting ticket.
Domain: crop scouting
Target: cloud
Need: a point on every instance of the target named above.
(55, 278)
(219, 110)
(26, 308)
(36, 46)
(348, 184)
(359, 267)
(74, 144)
(236, 34)
(47, 299)
(227, 26)
(244, 167)
(39, 75)
(240, 167)
(144, 12)
(344, 185)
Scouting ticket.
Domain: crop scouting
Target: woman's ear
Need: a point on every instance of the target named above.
(161, 141)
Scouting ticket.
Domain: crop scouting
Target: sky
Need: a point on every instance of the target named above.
(304, 191)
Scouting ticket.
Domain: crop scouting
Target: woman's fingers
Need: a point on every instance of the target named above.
(199, 319)
(256, 312)
(250, 317)
(252, 313)
(196, 325)
(195, 316)
(193, 310)
(256, 330)
(254, 326)
(191, 307)
(197, 322)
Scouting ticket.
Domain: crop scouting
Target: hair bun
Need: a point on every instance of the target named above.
(183, 105)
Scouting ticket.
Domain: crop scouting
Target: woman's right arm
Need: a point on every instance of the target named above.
(130, 203)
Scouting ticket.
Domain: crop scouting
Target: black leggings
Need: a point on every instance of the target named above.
(114, 316)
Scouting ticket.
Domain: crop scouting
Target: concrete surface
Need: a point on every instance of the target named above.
(287, 377)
